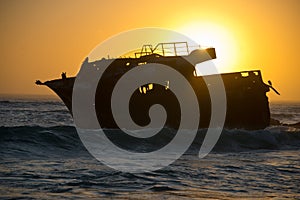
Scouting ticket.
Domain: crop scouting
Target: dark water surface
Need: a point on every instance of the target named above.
(42, 157)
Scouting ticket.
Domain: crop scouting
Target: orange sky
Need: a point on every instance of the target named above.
(40, 39)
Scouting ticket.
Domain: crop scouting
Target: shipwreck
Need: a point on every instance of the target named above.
(247, 102)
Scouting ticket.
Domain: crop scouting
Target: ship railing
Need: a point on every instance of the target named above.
(167, 49)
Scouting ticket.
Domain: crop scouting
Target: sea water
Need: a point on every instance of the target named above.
(42, 157)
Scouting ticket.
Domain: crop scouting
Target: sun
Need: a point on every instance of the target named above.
(213, 35)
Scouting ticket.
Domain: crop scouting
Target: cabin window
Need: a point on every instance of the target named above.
(245, 74)
(142, 63)
(150, 86)
(145, 88)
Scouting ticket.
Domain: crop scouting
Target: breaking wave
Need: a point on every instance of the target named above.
(63, 141)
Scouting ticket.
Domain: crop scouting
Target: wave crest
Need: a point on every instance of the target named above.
(61, 141)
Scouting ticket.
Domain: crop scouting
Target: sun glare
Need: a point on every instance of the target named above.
(212, 35)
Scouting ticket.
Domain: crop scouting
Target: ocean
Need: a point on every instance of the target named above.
(42, 157)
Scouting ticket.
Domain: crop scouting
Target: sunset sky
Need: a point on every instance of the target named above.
(41, 39)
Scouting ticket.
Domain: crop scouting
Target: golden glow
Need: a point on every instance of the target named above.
(41, 39)
(212, 35)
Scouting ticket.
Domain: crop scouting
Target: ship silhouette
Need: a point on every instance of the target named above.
(247, 102)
